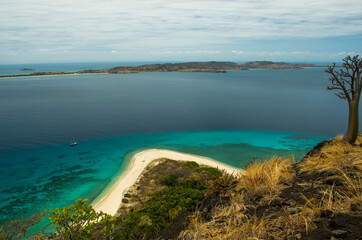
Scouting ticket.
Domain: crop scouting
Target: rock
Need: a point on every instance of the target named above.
(316, 150)
(275, 202)
(354, 207)
(333, 224)
(326, 214)
(292, 210)
(339, 233)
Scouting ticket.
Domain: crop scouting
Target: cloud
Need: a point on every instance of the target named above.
(291, 55)
(265, 53)
(118, 52)
(176, 26)
(207, 52)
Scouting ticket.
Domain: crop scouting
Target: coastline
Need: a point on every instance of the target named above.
(47, 75)
(112, 199)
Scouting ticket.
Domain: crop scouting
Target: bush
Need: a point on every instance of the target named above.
(222, 182)
(195, 184)
(211, 172)
(159, 212)
(191, 164)
(170, 180)
(17, 229)
(125, 200)
(127, 195)
(78, 221)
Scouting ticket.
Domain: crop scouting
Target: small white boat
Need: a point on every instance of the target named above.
(73, 143)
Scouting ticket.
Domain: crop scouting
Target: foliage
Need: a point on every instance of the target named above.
(79, 220)
(222, 182)
(161, 208)
(17, 229)
(211, 172)
(170, 180)
(127, 195)
(159, 212)
(191, 164)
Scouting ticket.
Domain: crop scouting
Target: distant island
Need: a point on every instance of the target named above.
(213, 67)
(27, 69)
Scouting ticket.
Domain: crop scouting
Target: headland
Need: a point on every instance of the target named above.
(112, 199)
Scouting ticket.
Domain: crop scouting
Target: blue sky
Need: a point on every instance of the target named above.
(39, 31)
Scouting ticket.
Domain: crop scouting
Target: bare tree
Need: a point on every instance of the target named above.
(348, 82)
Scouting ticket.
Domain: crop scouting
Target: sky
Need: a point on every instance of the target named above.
(47, 31)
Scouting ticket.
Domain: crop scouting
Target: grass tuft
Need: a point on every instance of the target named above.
(334, 157)
(267, 178)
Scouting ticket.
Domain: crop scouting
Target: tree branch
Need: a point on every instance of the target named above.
(337, 81)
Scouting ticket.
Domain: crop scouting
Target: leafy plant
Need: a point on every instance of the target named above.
(17, 229)
(170, 180)
(191, 164)
(79, 220)
(158, 212)
(222, 182)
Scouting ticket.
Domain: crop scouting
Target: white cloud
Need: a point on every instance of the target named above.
(207, 52)
(292, 55)
(265, 53)
(177, 26)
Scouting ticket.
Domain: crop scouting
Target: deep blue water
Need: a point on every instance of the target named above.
(230, 117)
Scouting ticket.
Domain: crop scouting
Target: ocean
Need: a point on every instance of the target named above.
(233, 118)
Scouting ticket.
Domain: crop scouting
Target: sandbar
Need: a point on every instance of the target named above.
(112, 200)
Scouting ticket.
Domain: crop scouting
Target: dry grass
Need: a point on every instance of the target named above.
(340, 161)
(235, 227)
(340, 199)
(267, 178)
(335, 157)
(288, 224)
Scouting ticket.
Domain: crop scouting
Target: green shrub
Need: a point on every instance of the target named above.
(17, 229)
(211, 172)
(159, 212)
(170, 180)
(195, 184)
(191, 164)
(222, 182)
(125, 200)
(78, 221)
(127, 195)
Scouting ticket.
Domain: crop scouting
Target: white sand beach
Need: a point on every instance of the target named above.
(112, 200)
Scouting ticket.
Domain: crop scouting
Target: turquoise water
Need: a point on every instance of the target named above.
(55, 176)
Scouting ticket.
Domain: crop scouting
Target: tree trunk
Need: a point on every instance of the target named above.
(352, 131)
